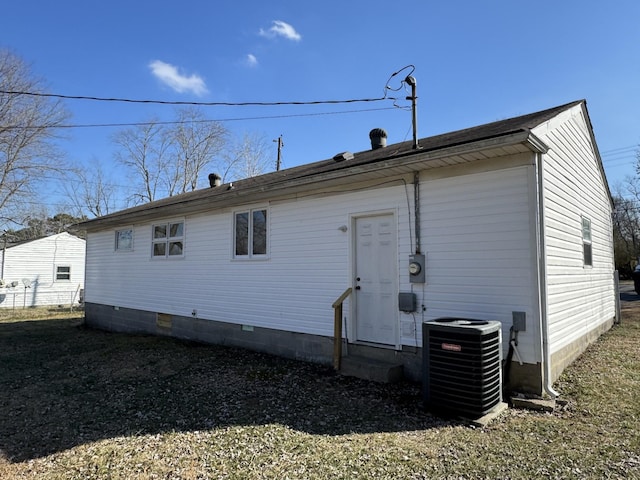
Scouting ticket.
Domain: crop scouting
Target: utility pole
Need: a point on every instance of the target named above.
(4, 253)
(280, 145)
(414, 108)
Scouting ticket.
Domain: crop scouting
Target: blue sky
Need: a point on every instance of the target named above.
(475, 62)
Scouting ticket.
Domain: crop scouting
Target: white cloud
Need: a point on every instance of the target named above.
(250, 60)
(281, 29)
(171, 76)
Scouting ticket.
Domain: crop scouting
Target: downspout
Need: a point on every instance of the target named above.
(542, 282)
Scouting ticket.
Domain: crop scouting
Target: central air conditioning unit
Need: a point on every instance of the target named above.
(462, 361)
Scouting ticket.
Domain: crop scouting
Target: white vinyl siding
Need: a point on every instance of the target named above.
(478, 232)
(308, 268)
(477, 236)
(475, 232)
(579, 299)
(54, 266)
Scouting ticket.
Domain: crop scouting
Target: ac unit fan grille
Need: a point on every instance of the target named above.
(462, 367)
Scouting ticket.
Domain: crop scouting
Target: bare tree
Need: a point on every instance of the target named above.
(169, 159)
(90, 190)
(28, 128)
(143, 149)
(248, 157)
(626, 224)
(196, 141)
(626, 233)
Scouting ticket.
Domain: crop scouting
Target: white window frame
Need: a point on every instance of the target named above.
(118, 246)
(250, 234)
(587, 242)
(57, 272)
(167, 240)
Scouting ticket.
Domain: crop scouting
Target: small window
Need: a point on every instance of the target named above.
(168, 240)
(250, 232)
(124, 240)
(63, 272)
(586, 242)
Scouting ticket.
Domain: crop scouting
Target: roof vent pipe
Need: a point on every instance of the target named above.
(378, 138)
(214, 180)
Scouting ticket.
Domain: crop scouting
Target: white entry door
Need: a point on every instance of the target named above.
(375, 280)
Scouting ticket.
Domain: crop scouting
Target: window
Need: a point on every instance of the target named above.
(586, 242)
(250, 229)
(63, 272)
(124, 240)
(168, 240)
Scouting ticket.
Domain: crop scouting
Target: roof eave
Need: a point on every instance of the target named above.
(407, 161)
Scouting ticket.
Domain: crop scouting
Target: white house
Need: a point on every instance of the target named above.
(508, 221)
(46, 271)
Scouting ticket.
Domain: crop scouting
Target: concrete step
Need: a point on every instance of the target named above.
(371, 369)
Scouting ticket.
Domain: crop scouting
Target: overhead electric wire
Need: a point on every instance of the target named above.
(620, 151)
(201, 104)
(216, 104)
(212, 104)
(613, 150)
(622, 163)
(178, 122)
(621, 156)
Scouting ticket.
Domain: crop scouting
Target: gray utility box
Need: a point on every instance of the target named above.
(407, 302)
(462, 366)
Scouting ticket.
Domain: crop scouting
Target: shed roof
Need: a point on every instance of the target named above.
(53, 236)
(502, 137)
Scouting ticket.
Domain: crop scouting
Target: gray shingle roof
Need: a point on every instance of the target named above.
(395, 152)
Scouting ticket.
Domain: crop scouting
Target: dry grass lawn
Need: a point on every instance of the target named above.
(85, 404)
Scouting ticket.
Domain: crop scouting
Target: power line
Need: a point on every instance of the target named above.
(178, 122)
(619, 163)
(218, 104)
(628, 156)
(202, 104)
(48, 204)
(614, 151)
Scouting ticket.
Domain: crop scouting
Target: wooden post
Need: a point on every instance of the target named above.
(337, 336)
(337, 328)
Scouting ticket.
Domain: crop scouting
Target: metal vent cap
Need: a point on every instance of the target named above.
(378, 137)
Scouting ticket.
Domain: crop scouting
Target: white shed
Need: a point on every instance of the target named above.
(509, 221)
(46, 271)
